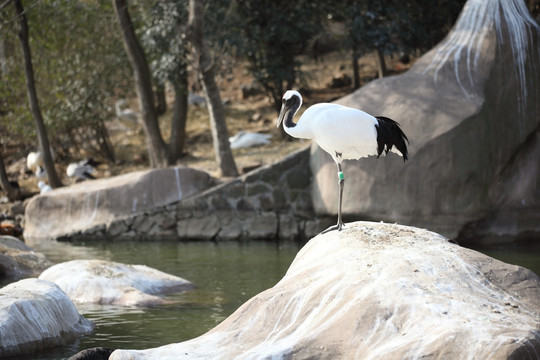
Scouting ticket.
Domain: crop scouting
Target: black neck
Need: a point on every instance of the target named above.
(289, 118)
(292, 104)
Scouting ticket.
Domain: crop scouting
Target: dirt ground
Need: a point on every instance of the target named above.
(254, 114)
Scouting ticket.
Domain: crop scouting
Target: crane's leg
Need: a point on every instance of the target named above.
(341, 186)
(341, 183)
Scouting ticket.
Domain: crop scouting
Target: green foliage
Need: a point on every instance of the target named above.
(79, 66)
(274, 33)
(396, 25)
(15, 118)
(164, 41)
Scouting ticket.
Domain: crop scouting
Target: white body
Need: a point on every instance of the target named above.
(33, 160)
(247, 139)
(40, 173)
(197, 100)
(338, 128)
(79, 171)
(125, 114)
(43, 187)
(128, 115)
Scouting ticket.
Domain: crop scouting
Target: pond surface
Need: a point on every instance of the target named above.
(226, 275)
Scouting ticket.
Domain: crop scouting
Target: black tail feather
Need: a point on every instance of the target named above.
(389, 134)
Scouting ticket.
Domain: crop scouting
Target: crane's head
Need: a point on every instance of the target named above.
(291, 102)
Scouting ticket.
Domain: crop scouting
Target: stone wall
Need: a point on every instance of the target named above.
(273, 202)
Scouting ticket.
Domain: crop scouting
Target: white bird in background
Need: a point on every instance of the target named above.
(40, 173)
(82, 170)
(343, 132)
(245, 139)
(197, 100)
(44, 187)
(124, 113)
(33, 160)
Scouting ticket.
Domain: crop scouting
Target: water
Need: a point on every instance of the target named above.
(527, 256)
(225, 274)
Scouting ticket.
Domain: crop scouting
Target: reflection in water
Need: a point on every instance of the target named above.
(225, 275)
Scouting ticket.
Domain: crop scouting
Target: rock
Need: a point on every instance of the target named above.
(106, 282)
(513, 201)
(98, 353)
(100, 202)
(262, 226)
(379, 291)
(36, 314)
(18, 261)
(200, 228)
(465, 119)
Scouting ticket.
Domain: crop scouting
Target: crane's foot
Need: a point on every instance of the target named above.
(337, 227)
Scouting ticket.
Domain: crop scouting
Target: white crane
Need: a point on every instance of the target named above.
(82, 170)
(44, 187)
(124, 113)
(244, 139)
(34, 162)
(343, 132)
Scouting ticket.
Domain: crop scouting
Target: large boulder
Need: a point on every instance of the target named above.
(95, 203)
(18, 261)
(36, 314)
(514, 204)
(379, 291)
(107, 282)
(467, 106)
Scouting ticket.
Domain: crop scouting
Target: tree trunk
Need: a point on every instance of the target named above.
(161, 101)
(356, 69)
(13, 193)
(104, 141)
(381, 65)
(44, 147)
(3, 58)
(205, 68)
(179, 119)
(157, 150)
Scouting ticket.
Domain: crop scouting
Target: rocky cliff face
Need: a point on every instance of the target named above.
(467, 106)
(379, 291)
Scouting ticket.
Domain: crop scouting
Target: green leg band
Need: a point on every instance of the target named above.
(340, 175)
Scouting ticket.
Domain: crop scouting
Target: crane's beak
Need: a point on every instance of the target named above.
(282, 114)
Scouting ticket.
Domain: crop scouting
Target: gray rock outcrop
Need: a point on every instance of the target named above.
(467, 107)
(513, 202)
(19, 261)
(96, 203)
(107, 282)
(36, 314)
(379, 291)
